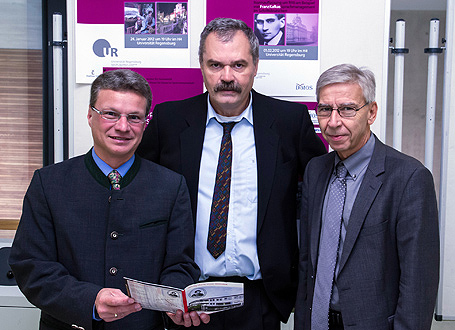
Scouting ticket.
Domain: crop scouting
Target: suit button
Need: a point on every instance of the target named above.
(114, 235)
(113, 271)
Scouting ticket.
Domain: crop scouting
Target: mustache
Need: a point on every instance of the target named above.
(228, 86)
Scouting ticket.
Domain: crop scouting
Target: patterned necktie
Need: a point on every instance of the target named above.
(216, 241)
(328, 250)
(114, 178)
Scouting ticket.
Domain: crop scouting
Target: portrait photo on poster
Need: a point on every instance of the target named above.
(270, 28)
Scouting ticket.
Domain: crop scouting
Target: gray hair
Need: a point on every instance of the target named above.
(348, 73)
(225, 28)
(122, 80)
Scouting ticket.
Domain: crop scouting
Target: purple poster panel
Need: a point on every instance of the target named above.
(170, 84)
(290, 24)
(314, 118)
(119, 33)
(156, 24)
(147, 24)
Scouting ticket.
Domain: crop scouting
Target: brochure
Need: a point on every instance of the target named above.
(207, 297)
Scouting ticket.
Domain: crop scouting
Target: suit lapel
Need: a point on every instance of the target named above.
(319, 192)
(365, 197)
(191, 141)
(267, 141)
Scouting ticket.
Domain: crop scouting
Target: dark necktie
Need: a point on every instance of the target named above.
(216, 241)
(328, 250)
(114, 179)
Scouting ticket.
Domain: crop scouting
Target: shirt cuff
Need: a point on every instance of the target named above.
(95, 315)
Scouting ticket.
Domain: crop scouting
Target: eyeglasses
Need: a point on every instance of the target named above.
(114, 116)
(345, 111)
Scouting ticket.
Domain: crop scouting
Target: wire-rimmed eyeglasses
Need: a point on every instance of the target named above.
(114, 116)
(345, 111)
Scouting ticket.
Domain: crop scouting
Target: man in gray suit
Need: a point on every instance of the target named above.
(91, 220)
(369, 255)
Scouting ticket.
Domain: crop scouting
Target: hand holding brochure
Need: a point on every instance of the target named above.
(207, 297)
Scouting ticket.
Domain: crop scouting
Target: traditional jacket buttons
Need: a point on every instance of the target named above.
(114, 235)
(113, 271)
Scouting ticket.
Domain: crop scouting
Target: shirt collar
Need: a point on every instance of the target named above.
(247, 113)
(359, 160)
(106, 169)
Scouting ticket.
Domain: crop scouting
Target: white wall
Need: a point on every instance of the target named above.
(361, 40)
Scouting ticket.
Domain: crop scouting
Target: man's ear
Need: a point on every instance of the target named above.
(372, 113)
(89, 116)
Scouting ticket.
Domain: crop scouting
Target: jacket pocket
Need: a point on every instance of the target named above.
(374, 229)
(153, 223)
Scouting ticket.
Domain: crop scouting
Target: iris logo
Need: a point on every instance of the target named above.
(303, 87)
(102, 48)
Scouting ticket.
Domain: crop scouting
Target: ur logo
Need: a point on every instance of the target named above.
(102, 48)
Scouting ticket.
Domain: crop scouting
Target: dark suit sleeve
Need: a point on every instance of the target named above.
(179, 269)
(302, 293)
(149, 146)
(418, 252)
(45, 282)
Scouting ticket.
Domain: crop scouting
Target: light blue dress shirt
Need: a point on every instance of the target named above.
(106, 169)
(240, 257)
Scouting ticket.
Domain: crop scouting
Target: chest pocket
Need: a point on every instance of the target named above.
(153, 223)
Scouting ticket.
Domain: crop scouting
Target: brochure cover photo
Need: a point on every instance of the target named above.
(208, 297)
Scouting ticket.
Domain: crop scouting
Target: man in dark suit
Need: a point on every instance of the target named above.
(89, 221)
(369, 256)
(271, 143)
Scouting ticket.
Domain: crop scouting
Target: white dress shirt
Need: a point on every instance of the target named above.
(240, 257)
